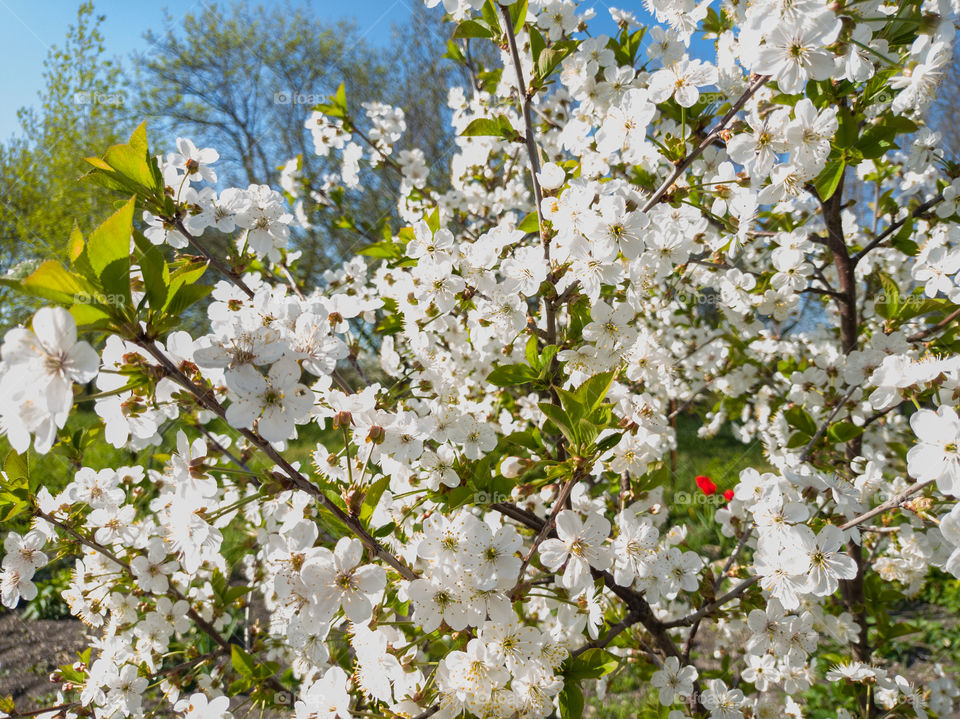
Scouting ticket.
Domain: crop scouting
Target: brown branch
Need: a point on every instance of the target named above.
(546, 528)
(895, 226)
(224, 270)
(297, 480)
(823, 427)
(758, 82)
(923, 334)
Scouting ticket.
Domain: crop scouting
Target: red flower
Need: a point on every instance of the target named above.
(706, 485)
(728, 494)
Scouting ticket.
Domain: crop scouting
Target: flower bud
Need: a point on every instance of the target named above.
(376, 434)
(551, 176)
(511, 467)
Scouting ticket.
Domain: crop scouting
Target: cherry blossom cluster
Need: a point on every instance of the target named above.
(482, 522)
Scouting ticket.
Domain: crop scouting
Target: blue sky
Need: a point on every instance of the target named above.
(28, 28)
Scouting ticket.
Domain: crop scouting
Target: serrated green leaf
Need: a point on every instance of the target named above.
(843, 431)
(53, 281)
(561, 420)
(242, 661)
(511, 374)
(372, 497)
(592, 392)
(186, 296)
(591, 664)
(471, 28)
(571, 701)
(829, 179)
(798, 417)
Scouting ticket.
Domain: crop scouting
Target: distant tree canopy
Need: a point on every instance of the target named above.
(80, 111)
(247, 90)
(249, 87)
(943, 114)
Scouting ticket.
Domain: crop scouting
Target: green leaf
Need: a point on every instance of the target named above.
(571, 701)
(572, 405)
(609, 442)
(108, 250)
(561, 420)
(186, 296)
(530, 224)
(531, 353)
(337, 105)
(592, 664)
(799, 418)
(156, 273)
(90, 317)
(537, 43)
(829, 179)
(53, 281)
(550, 57)
(131, 167)
(490, 127)
(526, 440)
(511, 374)
(471, 28)
(386, 250)
(901, 240)
(546, 360)
(843, 431)
(372, 497)
(848, 131)
(917, 305)
(877, 140)
(242, 661)
(518, 13)
(185, 273)
(592, 392)
(433, 220)
(15, 466)
(889, 305)
(232, 594)
(454, 52)
(491, 16)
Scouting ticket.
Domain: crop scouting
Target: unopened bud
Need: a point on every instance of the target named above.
(353, 497)
(512, 467)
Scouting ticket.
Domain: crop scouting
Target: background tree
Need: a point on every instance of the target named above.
(943, 115)
(81, 110)
(251, 85)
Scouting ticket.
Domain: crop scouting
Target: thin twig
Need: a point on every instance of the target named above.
(894, 227)
(757, 83)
